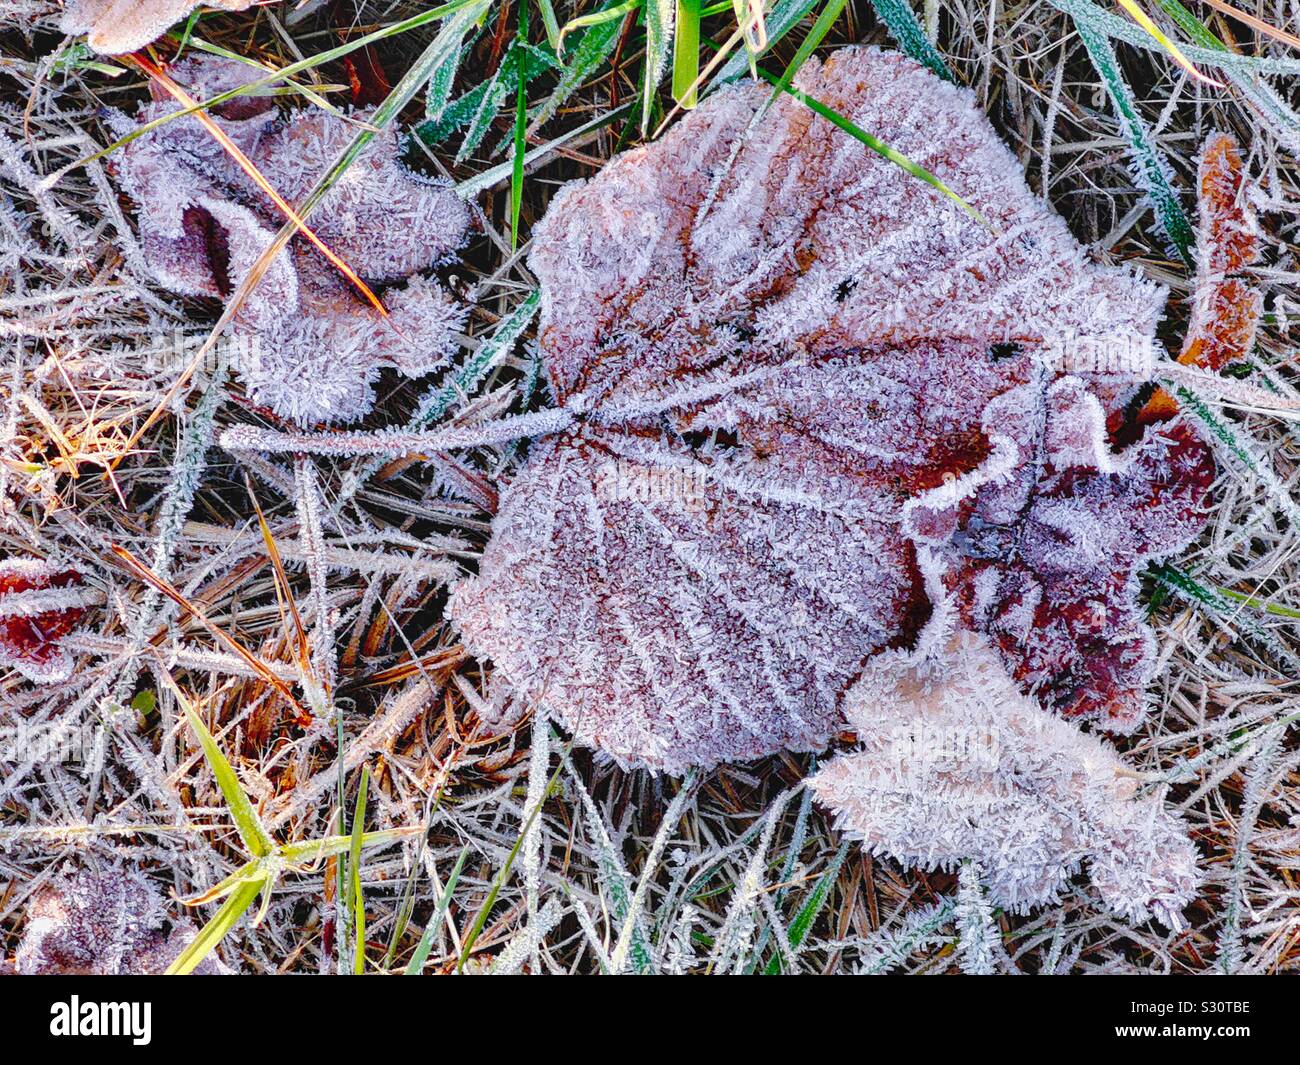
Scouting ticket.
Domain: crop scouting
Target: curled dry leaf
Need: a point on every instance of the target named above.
(956, 763)
(1046, 559)
(40, 603)
(1226, 308)
(118, 26)
(789, 364)
(308, 346)
(103, 922)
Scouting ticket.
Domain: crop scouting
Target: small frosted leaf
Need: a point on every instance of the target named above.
(119, 26)
(956, 763)
(311, 347)
(40, 603)
(1225, 309)
(103, 922)
(791, 364)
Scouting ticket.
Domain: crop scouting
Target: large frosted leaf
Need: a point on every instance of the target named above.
(790, 365)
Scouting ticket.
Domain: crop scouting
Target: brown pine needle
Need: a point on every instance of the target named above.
(1255, 23)
(140, 570)
(283, 592)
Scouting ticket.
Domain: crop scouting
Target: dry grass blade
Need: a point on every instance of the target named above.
(283, 590)
(1255, 23)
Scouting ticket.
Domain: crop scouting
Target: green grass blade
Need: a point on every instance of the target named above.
(1240, 446)
(613, 874)
(598, 18)
(312, 850)
(1189, 588)
(1151, 170)
(815, 37)
(1272, 107)
(593, 48)
(1191, 25)
(248, 824)
(659, 18)
(437, 94)
(807, 915)
(445, 44)
(876, 145)
(550, 24)
(907, 30)
(416, 965)
(521, 127)
(1279, 610)
(481, 918)
(212, 933)
(357, 904)
(471, 187)
(686, 53)
(434, 407)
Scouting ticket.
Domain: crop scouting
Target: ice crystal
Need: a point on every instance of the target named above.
(40, 603)
(956, 764)
(118, 26)
(788, 366)
(103, 922)
(311, 347)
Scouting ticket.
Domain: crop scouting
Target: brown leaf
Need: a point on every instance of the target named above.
(306, 345)
(801, 376)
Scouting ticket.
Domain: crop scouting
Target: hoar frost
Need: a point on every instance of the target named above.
(103, 922)
(313, 347)
(117, 26)
(863, 387)
(1026, 794)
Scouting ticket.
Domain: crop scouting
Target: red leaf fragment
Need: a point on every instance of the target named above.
(40, 603)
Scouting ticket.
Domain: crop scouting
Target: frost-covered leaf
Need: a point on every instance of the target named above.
(311, 346)
(103, 922)
(956, 764)
(787, 365)
(40, 603)
(1045, 560)
(1225, 308)
(119, 26)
